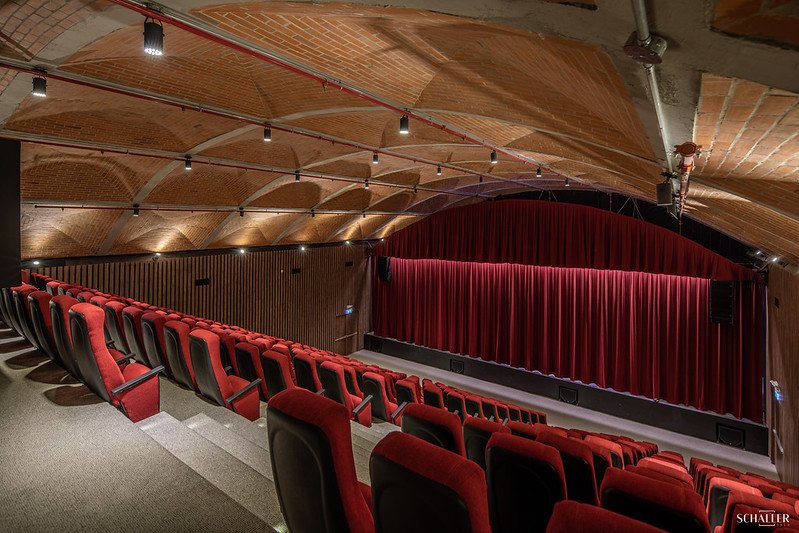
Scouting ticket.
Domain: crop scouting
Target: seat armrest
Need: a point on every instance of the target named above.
(399, 410)
(320, 392)
(505, 422)
(124, 358)
(360, 407)
(110, 344)
(244, 391)
(137, 380)
(228, 370)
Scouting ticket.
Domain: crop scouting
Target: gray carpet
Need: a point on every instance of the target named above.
(70, 462)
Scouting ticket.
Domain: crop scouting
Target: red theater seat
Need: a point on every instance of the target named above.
(214, 383)
(250, 366)
(435, 426)
(152, 332)
(39, 305)
(335, 388)
(474, 406)
(131, 324)
(476, 433)
(520, 429)
(417, 486)
(746, 512)
(277, 372)
(615, 450)
(311, 451)
(113, 322)
(23, 313)
(432, 395)
(134, 390)
(306, 372)
(176, 342)
(62, 334)
(525, 480)
(573, 517)
(456, 403)
(407, 391)
(655, 502)
(374, 385)
(718, 493)
(578, 466)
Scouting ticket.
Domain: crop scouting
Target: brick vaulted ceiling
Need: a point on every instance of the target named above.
(117, 123)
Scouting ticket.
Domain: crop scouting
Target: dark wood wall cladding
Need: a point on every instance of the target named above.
(297, 295)
(783, 367)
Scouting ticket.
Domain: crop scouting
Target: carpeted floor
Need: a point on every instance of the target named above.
(70, 462)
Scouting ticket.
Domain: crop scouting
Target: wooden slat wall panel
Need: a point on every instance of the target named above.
(783, 366)
(255, 290)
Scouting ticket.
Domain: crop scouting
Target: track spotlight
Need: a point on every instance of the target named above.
(366, 184)
(39, 87)
(241, 212)
(313, 213)
(135, 210)
(347, 242)
(405, 126)
(242, 251)
(375, 158)
(538, 173)
(153, 37)
(438, 171)
(187, 162)
(414, 189)
(296, 175)
(303, 248)
(566, 183)
(775, 259)
(363, 215)
(493, 157)
(36, 263)
(158, 254)
(267, 134)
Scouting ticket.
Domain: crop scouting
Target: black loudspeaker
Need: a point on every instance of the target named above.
(730, 436)
(384, 268)
(456, 366)
(664, 193)
(568, 395)
(722, 302)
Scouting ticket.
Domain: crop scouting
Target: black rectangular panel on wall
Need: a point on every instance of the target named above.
(722, 302)
(9, 213)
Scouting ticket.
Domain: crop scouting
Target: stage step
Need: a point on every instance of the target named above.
(242, 483)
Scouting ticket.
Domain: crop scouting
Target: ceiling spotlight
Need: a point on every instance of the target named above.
(303, 248)
(347, 242)
(267, 134)
(241, 212)
(405, 126)
(364, 214)
(158, 254)
(135, 210)
(296, 175)
(187, 162)
(36, 263)
(366, 184)
(153, 37)
(313, 213)
(538, 173)
(414, 189)
(775, 259)
(758, 252)
(438, 171)
(375, 158)
(381, 240)
(493, 157)
(566, 183)
(242, 250)
(39, 87)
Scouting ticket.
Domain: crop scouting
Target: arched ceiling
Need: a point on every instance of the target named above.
(537, 81)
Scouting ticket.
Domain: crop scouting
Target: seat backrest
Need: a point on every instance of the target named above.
(98, 368)
(602, 459)
(5, 309)
(655, 502)
(113, 321)
(666, 467)
(62, 332)
(132, 326)
(375, 384)
(306, 373)
(152, 333)
(277, 374)
(247, 356)
(332, 377)
(209, 374)
(489, 408)
(520, 429)
(525, 481)
(514, 413)
(310, 447)
(578, 465)
(176, 342)
(406, 391)
(474, 407)
(616, 453)
(23, 313)
(570, 517)
(85, 296)
(476, 432)
(417, 486)
(432, 395)
(456, 403)
(718, 494)
(435, 426)
(39, 304)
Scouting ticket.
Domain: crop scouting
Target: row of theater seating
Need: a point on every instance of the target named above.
(428, 478)
(235, 367)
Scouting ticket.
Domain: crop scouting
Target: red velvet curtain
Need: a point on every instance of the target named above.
(647, 334)
(533, 232)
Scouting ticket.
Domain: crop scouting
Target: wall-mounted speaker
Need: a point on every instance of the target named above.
(567, 395)
(456, 365)
(722, 302)
(664, 194)
(730, 436)
(384, 268)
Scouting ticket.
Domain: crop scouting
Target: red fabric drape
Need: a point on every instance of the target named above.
(647, 334)
(533, 232)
